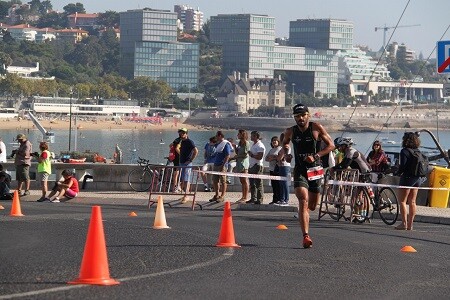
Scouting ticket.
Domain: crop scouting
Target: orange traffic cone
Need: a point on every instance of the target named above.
(94, 266)
(226, 238)
(282, 227)
(132, 214)
(15, 208)
(160, 216)
(408, 249)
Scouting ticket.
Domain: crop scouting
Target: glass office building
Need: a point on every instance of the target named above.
(325, 34)
(248, 43)
(149, 47)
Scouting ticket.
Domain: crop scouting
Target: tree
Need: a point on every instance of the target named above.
(109, 19)
(5, 61)
(72, 8)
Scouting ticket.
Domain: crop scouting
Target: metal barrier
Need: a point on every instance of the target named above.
(167, 179)
(336, 200)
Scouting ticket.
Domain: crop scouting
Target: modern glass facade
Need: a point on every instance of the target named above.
(176, 63)
(248, 43)
(149, 47)
(321, 34)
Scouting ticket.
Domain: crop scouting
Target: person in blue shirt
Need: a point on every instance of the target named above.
(223, 150)
(209, 156)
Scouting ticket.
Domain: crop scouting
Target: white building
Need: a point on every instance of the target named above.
(190, 18)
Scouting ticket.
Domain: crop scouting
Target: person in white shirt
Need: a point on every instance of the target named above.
(256, 155)
(2, 151)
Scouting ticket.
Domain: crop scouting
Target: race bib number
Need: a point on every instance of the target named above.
(315, 173)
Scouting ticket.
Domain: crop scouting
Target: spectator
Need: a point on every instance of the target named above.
(44, 169)
(67, 186)
(5, 185)
(118, 156)
(408, 196)
(22, 161)
(242, 162)
(271, 157)
(174, 148)
(223, 150)
(209, 156)
(377, 160)
(284, 169)
(2, 151)
(188, 152)
(256, 155)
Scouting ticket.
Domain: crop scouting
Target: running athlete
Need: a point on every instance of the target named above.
(306, 137)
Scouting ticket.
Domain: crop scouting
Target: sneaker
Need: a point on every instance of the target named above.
(251, 201)
(228, 181)
(213, 199)
(56, 200)
(25, 193)
(283, 203)
(220, 199)
(42, 199)
(183, 200)
(307, 242)
(257, 202)
(207, 189)
(242, 200)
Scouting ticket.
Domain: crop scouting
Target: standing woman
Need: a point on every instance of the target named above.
(284, 169)
(242, 161)
(271, 157)
(377, 159)
(410, 142)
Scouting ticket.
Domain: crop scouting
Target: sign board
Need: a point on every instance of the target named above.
(443, 57)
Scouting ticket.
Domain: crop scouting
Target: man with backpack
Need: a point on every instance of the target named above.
(412, 171)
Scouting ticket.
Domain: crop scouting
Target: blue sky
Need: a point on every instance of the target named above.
(433, 16)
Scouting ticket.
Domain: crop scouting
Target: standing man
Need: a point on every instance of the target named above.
(256, 155)
(223, 150)
(2, 151)
(188, 152)
(306, 137)
(118, 157)
(22, 161)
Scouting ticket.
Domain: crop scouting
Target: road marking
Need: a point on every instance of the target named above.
(228, 253)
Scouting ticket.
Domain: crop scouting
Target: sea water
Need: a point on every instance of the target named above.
(154, 144)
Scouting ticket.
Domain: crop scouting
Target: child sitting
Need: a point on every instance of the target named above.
(67, 187)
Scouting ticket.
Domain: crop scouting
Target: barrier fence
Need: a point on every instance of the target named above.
(166, 180)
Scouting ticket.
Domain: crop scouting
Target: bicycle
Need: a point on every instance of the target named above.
(383, 200)
(353, 202)
(140, 180)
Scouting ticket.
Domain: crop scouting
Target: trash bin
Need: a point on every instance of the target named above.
(439, 178)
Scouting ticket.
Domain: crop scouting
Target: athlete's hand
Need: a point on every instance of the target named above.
(310, 159)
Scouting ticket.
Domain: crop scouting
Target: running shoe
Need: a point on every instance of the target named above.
(307, 242)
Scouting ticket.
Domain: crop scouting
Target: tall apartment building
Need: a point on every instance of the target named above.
(149, 47)
(248, 43)
(190, 18)
(327, 34)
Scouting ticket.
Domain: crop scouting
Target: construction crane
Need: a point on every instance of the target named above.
(47, 136)
(386, 28)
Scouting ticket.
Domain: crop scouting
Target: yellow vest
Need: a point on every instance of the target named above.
(45, 165)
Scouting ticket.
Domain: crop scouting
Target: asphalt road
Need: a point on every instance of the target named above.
(41, 251)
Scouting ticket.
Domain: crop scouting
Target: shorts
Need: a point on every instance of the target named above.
(219, 178)
(300, 180)
(411, 181)
(23, 173)
(70, 194)
(43, 176)
(186, 172)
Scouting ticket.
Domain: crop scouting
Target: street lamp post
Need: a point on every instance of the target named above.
(70, 119)
(292, 96)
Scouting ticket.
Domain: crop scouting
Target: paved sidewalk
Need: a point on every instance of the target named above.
(424, 214)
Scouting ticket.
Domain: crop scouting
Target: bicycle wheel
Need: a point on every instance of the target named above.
(140, 180)
(388, 205)
(333, 207)
(360, 206)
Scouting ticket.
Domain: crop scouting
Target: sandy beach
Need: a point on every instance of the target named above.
(101, 124)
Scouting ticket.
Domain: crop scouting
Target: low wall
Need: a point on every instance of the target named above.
(114, 177)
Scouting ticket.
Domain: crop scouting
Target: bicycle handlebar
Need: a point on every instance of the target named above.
(143, 162)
